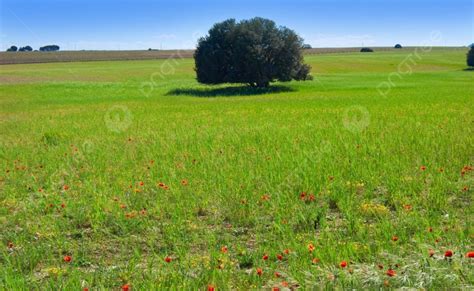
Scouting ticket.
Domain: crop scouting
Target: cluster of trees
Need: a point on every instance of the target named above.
(254, 52)
(21, 49)
(47, 48)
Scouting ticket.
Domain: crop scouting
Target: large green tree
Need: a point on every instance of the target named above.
(254, 52)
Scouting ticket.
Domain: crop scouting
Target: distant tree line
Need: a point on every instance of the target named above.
(47, 48)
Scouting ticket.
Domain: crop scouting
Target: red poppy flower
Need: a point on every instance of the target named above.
(431, 253)
(423, 168)
(470, 254)
(315, 261)
(407, 207)
(259, 271)
(184, 182)
(448, 254)
(125, 287)
(211, 288)
(10, 245)
(265, 257)
(302, 195)
(279, 257)
(275, 289)
(63, 205)
(67, 259)
(66, 187)
(284, 284)
(394, 238)
(311, 248)
(311, 197)
(287, 251)
(130, 214)
(224, 249)
(142, 183)
(277, 275)
(123, 206)
(265, 197)
(85, 289)
(343, 264)
(168, 259)
(391, 273)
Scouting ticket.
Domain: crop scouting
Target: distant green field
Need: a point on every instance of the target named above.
(141, 176)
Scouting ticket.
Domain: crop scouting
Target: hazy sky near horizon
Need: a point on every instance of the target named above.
(177, 24)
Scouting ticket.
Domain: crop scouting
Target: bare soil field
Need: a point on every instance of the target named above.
(82, 56)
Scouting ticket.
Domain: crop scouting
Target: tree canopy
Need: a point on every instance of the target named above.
(254, 52)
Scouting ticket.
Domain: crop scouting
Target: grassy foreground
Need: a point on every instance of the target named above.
(107, 181)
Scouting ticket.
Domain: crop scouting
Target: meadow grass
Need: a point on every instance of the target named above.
(212, 178)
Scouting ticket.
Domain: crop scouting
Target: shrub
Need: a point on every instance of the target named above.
(366, 50)
(470, 57)
(398, 46)
(254, 52)
(307, 46)
(12, 49)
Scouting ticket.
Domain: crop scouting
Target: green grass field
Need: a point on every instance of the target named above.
(188, 186)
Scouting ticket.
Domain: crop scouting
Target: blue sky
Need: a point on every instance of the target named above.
(140, 24)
